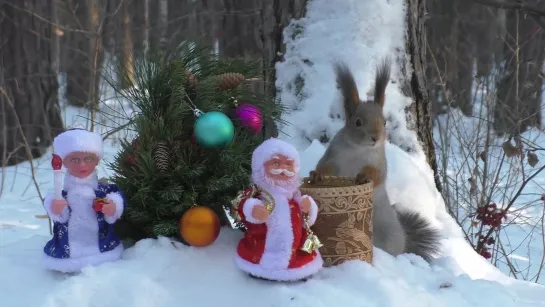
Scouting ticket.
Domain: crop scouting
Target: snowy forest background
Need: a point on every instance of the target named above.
(474, 69)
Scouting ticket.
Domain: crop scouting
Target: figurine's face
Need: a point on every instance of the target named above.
(80, 164)
(280, 168)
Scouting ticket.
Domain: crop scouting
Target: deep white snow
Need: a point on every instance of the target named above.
(162, 273)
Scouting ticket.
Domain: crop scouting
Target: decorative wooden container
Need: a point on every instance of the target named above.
(345, 218)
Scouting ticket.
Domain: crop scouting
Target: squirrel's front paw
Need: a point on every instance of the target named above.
(361, 179)
(367, 174)
(315, 177)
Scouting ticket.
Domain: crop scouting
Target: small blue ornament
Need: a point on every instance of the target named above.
(214, 130)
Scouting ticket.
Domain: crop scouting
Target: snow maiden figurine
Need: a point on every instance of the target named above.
(278, 244)
(85, 212)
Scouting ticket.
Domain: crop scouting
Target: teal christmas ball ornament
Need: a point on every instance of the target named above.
(214, 130)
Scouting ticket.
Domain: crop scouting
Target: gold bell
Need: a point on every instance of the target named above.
(308, 247)
(312, 242)
(316, 242)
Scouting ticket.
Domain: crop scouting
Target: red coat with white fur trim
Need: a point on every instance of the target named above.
(272, 249)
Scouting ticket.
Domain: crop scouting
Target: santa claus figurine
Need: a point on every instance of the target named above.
(85, 212)
(277, 218)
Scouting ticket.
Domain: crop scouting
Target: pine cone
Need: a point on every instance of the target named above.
(191, 79)
(229, 80)
(161, 156)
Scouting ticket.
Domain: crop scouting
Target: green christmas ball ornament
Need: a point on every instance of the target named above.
(214, 130)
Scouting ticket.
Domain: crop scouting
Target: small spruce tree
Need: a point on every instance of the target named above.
(163, 171)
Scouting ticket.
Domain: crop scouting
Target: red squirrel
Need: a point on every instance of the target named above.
(358, 151)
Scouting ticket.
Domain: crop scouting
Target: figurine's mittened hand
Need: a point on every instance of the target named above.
(58, 205)
(260, 213)
(305, 205)
(109, 208)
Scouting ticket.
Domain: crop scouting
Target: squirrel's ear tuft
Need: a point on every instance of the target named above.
(382, 79)
(349, 90)
(355, 96)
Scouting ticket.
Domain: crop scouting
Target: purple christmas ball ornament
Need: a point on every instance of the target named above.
(250, 117)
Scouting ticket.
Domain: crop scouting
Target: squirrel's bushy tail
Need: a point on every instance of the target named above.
(422, 237)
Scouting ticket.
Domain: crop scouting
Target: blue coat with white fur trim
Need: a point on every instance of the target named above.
(58, 246)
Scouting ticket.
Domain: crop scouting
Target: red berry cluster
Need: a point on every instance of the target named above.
(485, 253)
(490, 215)
(488, 241)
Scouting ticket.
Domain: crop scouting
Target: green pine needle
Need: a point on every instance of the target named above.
(164, 99)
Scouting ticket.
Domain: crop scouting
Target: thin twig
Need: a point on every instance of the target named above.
(542, 254)
(507, 260)
(113, 131)
(27, 149)
(491, 230)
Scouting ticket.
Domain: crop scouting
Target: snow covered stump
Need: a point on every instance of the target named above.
(345, 218)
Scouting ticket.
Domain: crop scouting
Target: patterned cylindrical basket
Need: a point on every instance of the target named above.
(345, 218)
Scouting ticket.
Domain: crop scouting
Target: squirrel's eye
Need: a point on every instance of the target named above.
(358, 122)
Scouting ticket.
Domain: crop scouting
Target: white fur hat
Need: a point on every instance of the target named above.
(271, 147)
(78, 140)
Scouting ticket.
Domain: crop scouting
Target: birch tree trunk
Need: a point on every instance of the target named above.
(56, 34)
(97, 57)
(30, 115)
(75, 57)
(111, 24)
(416, 86)
(163, 22)
(128, 54)
(146, 27)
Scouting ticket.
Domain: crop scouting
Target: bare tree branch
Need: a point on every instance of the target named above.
(512, 5)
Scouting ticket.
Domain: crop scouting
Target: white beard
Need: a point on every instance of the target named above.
(82, 225)
(287, 187)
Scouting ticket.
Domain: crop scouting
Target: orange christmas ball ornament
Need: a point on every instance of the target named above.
(199, 226)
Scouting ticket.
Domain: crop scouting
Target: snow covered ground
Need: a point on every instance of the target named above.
(162, 273)
(158, 273)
